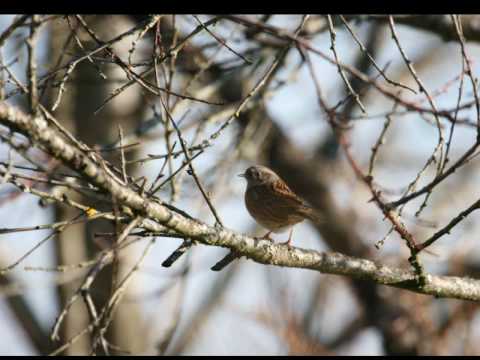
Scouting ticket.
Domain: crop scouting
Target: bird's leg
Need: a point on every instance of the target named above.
(289, 241)
(266, 236)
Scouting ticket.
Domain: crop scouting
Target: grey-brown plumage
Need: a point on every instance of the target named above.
(272, 204)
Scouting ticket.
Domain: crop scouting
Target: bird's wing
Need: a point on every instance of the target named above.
(290, 200)
(287, 197)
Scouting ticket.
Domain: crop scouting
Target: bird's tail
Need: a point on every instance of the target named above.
(314, 216)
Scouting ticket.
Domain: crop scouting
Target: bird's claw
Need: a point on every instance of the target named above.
(263, 238)
(288, 243)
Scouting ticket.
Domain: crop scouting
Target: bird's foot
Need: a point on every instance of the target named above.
(288, 243)
(265, 237)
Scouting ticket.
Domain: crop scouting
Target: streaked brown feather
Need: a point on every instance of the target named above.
(275, 206)
(272, 204)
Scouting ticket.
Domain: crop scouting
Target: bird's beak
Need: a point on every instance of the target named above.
(241, 175)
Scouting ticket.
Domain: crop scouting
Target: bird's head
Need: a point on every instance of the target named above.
(258, 175)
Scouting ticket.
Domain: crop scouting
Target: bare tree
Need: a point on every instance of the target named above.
(129, 132)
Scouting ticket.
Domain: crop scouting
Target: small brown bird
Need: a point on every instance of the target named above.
(272, 204)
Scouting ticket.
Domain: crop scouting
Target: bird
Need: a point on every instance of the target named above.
(273, 205)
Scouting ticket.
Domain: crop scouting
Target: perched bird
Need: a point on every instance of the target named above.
(272, 204)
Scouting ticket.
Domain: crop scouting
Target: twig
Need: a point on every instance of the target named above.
(32, 65)
(380, 141)
(340, 69)
(372, 60)
(422, 89)
(461, 38)
(221, 41)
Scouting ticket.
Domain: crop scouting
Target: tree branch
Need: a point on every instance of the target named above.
(261, 251)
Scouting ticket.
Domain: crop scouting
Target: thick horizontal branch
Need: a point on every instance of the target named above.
(261, 251)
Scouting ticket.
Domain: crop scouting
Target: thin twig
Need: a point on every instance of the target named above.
(372, 60)
(340, 69)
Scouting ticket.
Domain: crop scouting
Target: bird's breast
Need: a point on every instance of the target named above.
(263, 206)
